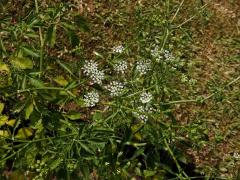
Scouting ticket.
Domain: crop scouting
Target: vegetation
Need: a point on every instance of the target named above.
(119, 89)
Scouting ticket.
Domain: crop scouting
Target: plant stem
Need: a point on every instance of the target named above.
(41, 41)
(206, 98)
(175, 160)
(179, 7)
(42, 88)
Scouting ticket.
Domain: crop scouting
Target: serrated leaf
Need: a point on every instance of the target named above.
(21, 63)
(3, 120)
(54, 164)
(30, 52)
(4, 68)
(11, 122)
(68, 26)
(81, 22)
(28, 111)
(1, 107)
(74, 116)
(24, 133)
(149, 173)
(73, 37)
(36, 83)
(51, 35)
(60, 80)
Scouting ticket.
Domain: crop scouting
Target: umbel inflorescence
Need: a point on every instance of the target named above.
(91, 70)
(91, 99)
(115, 84)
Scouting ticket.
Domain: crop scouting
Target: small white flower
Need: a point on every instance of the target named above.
(156, 51)
(159, 54)
(90, 67)
(146, 97)
(236, 155)
(121, 67)
(184, 78)
(141, 115)
(118, 49)
(167, 55)
(91, 99)
(97, 77)
(116, 88)
(143, 66)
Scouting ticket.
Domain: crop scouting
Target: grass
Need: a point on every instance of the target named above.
(119, 90)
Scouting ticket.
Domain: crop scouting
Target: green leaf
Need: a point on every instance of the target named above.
(74, 116)
(55, 163)
(60, 80)
(4, 2)
(21, 63)
(67, 26)
(29, 110)
(3, 120)
(4, 133)
(36, 83)
(2, 47)
(73, 37)
(86, 148)
(65, 67)
(4, 68)
(148, 173)
(30, 52)
(1, 107)
(51, 35)
(11, 122)
(24, 133)
(81, 22)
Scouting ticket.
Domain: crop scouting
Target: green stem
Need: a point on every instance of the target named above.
(174, 159)
(42, 88)
(13, 154)
(176, 13)
(206, 98)
(188, 20)
(41, 41)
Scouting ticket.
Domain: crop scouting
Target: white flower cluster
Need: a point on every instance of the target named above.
(97, 77)
(167, 55)
(236, 155)
(141, 115)
(146, 97)
(91, 69)
(156, 53)
(121, 67)
(143, 66)
(159, 54)
(116, 88)
(91, 99)
(118, 49)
